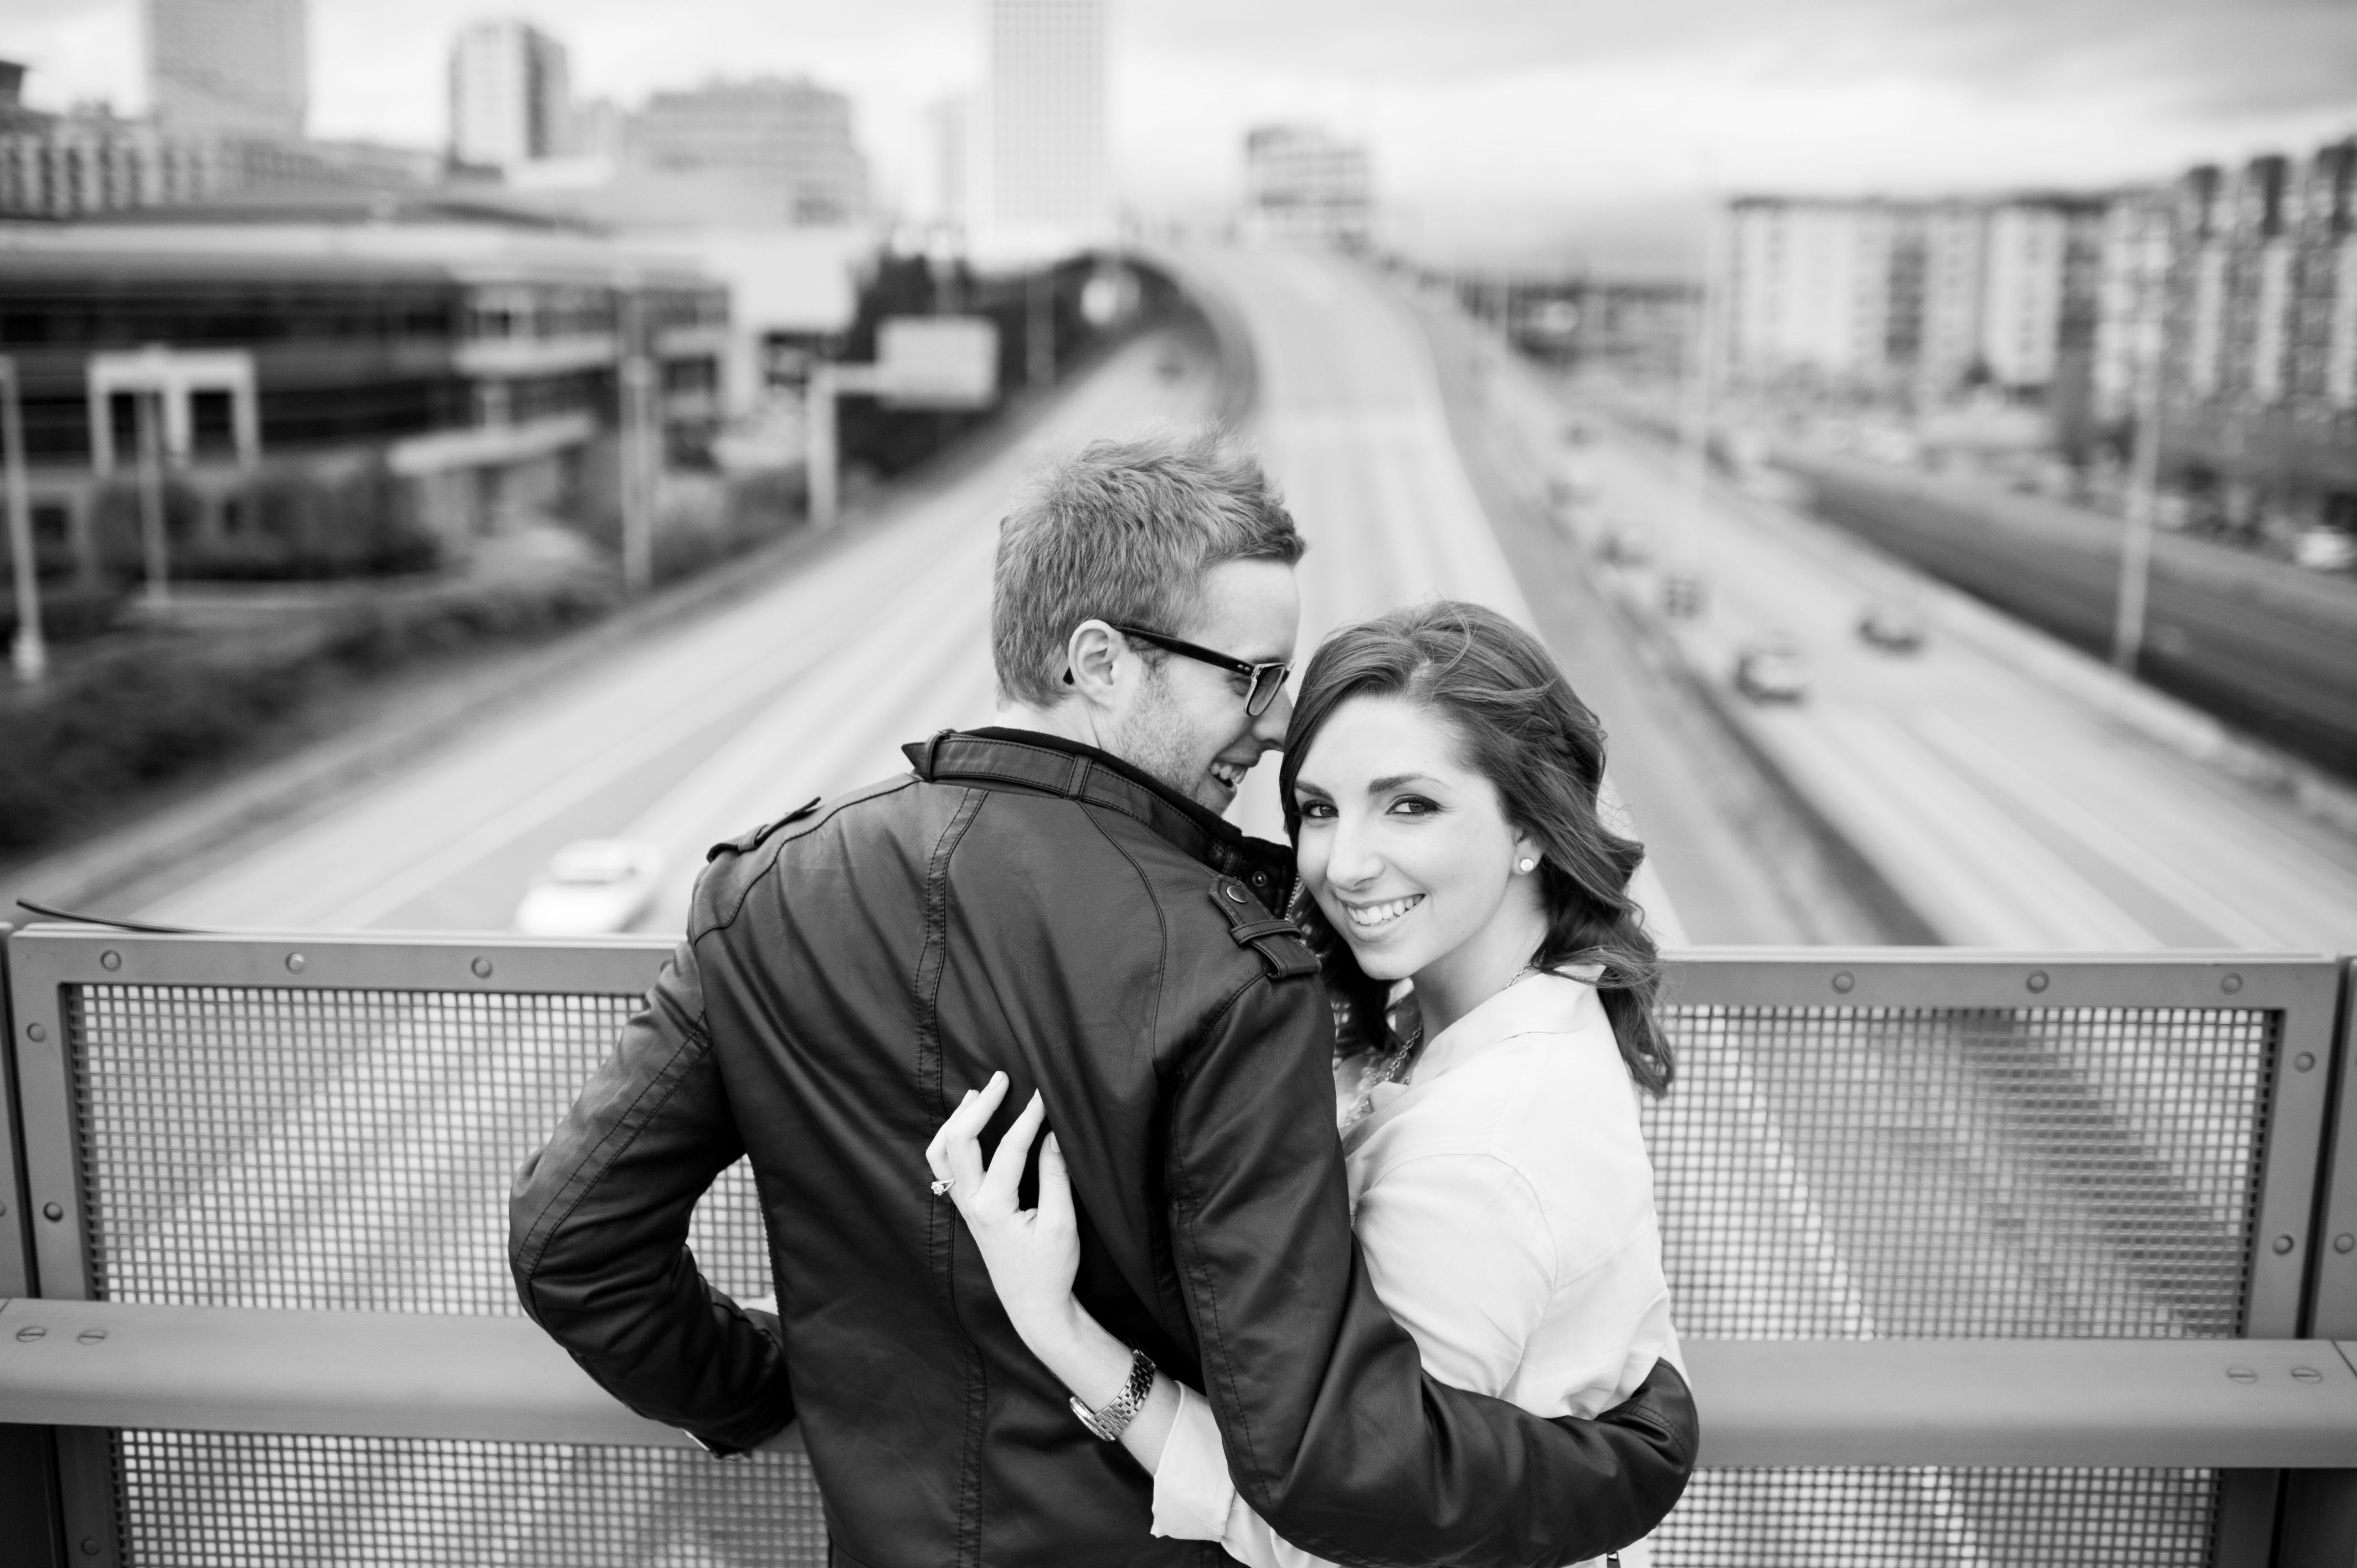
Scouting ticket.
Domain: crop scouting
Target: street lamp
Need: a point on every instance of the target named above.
(27, 652)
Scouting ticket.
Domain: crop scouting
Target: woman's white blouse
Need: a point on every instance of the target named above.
(1504, 1202)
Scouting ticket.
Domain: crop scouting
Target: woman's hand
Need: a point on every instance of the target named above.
(1033, 1255)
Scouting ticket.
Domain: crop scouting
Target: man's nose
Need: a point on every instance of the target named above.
(1269, 729)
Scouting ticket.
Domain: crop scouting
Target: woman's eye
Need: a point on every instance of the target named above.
(1413, 806)
(1317, 811)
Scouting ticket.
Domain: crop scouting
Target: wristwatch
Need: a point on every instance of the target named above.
(1110, 1422)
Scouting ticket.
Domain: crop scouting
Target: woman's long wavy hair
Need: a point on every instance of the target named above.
(1523, 728)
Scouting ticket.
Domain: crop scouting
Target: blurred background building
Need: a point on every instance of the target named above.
(232, 67)
(511, 96)
(1042, 183)
(1303, 185)
(787, 142)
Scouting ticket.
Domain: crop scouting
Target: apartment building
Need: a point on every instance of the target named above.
(788, 141)
(511, 95)
(1303, 185)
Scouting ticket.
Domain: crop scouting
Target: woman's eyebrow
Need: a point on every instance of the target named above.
(1393, 780)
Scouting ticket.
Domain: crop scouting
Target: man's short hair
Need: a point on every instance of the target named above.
(1124, 532)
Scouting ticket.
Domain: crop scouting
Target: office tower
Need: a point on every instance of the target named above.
(1304, 187)
(949, 158)
(511, 95)
(788, 141)
(228, 67)
(1043, 167)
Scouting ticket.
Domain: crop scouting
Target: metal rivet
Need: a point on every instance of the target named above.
(2231, 984)
(53, 1210)
(90, 1336)
(1845, 982)
(1235, 895)
(2243, 1374)
(2304, 1061)
(110, 959)
(482, 968)
(2344, 1243)
(2283, 1244)
(2037, 979)
(34, 1032)
(89, 1546)
(30, 1332)
(294, 963)
(2308, 1374)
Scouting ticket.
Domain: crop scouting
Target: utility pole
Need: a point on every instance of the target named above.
(146, 404)
(639, 450)
(27, 652)
(1694, 469)
(1039, 321)
(2144, 477)
(819, 455)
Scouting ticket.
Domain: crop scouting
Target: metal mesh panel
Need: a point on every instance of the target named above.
(1941, 1518)
(1829, 1173)
(231, 1501)
(337, 1149)
(353, 1150)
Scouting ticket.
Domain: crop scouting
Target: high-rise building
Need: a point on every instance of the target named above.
(949, 159)
(1043, 170)
(228, 67)
(1808, 288)
(788, 141)
(1304, 187)
(511, 95)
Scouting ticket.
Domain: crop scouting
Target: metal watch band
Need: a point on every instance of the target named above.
(1114, 1418)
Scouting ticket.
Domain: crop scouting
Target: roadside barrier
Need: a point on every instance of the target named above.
(1981, 1258)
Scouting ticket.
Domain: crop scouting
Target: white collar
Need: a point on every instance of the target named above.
(1545, 1003)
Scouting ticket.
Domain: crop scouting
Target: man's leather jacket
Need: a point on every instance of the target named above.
(1022, 903)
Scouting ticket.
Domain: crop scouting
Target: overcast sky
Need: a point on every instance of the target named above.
(1567, 126)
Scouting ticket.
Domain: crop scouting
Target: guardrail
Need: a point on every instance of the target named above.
(1983, 1258)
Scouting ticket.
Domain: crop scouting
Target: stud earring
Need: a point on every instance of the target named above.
(1525, 864)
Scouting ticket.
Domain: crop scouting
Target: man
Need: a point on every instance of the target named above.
(1058, 898)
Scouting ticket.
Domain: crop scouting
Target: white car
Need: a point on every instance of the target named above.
(591, 886)
(2325, 549)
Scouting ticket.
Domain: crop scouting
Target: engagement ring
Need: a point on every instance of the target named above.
(941, 1187)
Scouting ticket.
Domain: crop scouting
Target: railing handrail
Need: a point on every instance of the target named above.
(1767, 1403)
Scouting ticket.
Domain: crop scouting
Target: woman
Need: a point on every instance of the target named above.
(1440, 783)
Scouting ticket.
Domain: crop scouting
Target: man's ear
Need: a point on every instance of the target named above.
(1093, 654)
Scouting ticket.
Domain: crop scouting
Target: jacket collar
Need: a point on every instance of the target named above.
(1050, 765)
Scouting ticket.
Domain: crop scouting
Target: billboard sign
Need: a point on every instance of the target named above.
(937, 361)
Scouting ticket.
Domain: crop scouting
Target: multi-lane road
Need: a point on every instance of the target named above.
(2003, 808)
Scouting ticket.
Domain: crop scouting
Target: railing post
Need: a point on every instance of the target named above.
(45, 1163)
(2319, 1510)
(35, 1536)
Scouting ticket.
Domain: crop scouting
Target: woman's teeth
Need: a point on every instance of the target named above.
(1367, 917)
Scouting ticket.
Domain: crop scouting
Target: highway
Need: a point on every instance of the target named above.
(2004, 811)
(2262, 644)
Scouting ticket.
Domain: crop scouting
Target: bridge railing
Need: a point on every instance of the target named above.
(1982, 1258)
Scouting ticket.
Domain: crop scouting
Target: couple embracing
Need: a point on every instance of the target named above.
(1124, 1207)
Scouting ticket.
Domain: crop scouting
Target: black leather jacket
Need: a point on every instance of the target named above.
(1020, 902)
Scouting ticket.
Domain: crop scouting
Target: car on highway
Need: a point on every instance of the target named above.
(1684, 593)
(1624, 546)
(2325, 549)
(1771, 669)
(591, 886)
(1891, 629)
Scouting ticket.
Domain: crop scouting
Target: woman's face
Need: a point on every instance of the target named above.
(1405, 848)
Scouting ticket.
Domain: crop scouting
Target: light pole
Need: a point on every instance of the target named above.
(147, 412)
(2143, 475)
(27, 652)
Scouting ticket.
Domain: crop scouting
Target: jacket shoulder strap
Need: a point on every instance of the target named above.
(1277, 942)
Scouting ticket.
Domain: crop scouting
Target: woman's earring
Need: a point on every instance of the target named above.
(1525, 864)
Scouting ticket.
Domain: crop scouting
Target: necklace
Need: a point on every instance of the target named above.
(1394, 1064)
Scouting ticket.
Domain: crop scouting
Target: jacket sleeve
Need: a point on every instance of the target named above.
(1334, 1434)
(597, 1233)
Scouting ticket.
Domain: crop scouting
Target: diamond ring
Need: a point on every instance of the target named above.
(941, 1187)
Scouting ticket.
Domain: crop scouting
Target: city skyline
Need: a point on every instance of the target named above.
(1511, 124)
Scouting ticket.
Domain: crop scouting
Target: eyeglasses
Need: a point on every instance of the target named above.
(1267, 679)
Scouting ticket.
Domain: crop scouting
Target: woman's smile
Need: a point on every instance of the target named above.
(1372, 918)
